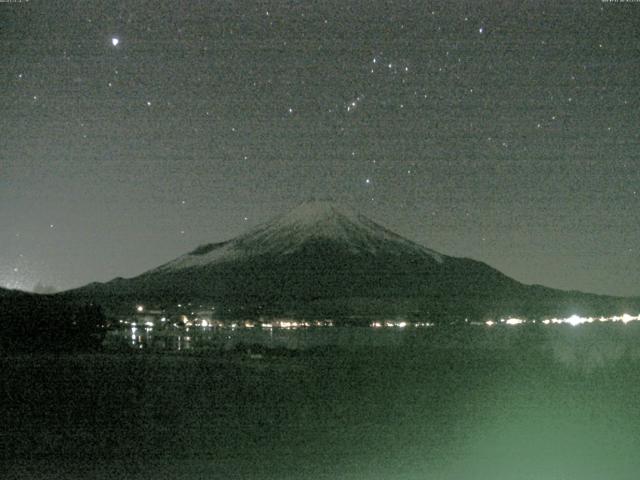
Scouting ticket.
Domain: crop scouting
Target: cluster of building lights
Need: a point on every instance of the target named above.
(292, 324)
(573, 320)
(149, 319)
(399, 324)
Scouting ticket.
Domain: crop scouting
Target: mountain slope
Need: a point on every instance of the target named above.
(5, 292)
(322, 260)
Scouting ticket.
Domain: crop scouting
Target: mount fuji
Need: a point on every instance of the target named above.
(323, 260)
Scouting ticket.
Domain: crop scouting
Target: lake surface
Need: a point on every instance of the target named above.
(196, 339)
(455, 404)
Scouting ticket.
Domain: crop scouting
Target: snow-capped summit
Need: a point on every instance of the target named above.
(311, 221)
(321, 216)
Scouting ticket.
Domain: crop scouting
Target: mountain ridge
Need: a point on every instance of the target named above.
(324, 260)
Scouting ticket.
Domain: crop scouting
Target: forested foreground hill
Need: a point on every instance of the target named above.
(31, 323)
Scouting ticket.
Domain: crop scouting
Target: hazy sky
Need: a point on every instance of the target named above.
(505, 131)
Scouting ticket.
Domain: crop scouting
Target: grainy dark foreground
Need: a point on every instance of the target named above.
(552, 404)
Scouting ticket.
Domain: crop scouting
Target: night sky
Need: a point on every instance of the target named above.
(504, 131)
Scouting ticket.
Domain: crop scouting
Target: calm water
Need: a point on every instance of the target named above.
(473, 403)
(195, 339)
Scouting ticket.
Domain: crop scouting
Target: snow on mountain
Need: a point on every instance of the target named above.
(311, 221)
